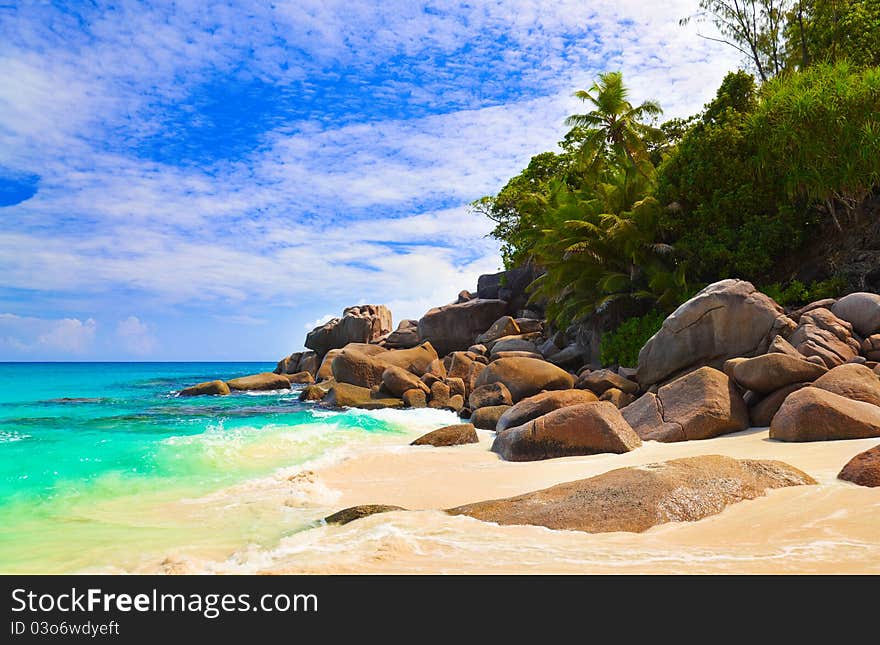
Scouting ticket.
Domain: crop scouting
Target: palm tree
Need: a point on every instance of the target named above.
(615, 125)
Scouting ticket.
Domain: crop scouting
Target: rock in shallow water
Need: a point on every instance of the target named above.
(207, 388)
(635, 499)
(353, 513)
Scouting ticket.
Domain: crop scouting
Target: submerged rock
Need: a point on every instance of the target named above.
(635, 499)
(353, 513)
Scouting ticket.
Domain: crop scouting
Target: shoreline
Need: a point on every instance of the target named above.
(826, 528)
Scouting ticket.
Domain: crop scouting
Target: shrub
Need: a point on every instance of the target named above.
(621, 346)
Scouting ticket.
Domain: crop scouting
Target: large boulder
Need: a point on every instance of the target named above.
(417, 360)
(218, 388)
(397, 380)
(861, 310)
(585, 429)
(769, 372)
(346, 395)
(540, 404)
(513, 345)
(361, 324)
(853, 381)
(259, 382)
(725, 320)
(863, 469)
(455, 435)
(814, 414)
(635, 499)
(699, 405)
(405, 336)
(300, 378)
(454, 327)
(525, 376)
(309, 362)
(356, 368)
(822, 334)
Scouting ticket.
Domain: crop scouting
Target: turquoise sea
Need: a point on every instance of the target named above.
(103, 468)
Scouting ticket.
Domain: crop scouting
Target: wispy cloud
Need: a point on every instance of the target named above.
(239, 158)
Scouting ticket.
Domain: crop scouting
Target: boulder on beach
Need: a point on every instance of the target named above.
(585, 429)
(346, 395)
(486, 418)
(415, 398)
(540, 404)
(417, 360)
(863, 469)
(699, 405)
(814, 414)
(218, 388)
(525, 376)
(861, 310)
(619, 398)
(259, 382)
(635, 499)
(356, 368)
(769, 372)
(853, 381)
(360, 324)
(727, 319)
(454, 327)
(454, 435)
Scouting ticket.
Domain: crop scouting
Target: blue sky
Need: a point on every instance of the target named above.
(207, 180)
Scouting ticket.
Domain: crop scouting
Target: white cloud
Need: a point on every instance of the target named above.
(372, 208)
(27, 334)
(136, 336)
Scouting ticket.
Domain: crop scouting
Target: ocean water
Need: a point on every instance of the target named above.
(103, 468)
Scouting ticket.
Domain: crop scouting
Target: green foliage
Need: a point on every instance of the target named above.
(831, 30)
(819, 132)
(797, 293)
(621, 346)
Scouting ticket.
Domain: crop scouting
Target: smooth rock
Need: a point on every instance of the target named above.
(619, 398)
(454, 327)
(504, 326)
(814, 414)
(361, 324)
(218, 388)
(259, 382)
(769, 372)
(727, 319)
(635, 499)
(525, 376)
(585, 429)
(353, 513)
(397, 380)
(351, 396)
(415, 398)
(487, 418)
(762, 413)
(540, 404)
(454, 435)
(492, 394)
(598, 381)
(861, 310)
(863, 469)
(300, 378)
(853, 381)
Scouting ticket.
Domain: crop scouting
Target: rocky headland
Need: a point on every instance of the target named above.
(728, 359)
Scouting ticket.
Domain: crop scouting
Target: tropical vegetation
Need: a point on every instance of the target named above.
(630, 215)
